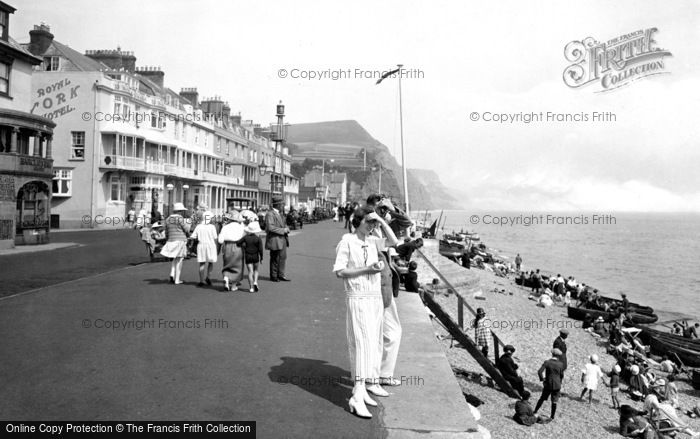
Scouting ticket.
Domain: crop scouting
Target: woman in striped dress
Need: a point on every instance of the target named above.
(177, 228)
(358, 264)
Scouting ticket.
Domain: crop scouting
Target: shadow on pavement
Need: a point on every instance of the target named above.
(314, 376)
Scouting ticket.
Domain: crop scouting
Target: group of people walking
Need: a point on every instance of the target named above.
(235, 237)
(364, 262)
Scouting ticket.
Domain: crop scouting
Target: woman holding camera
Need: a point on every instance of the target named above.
(358, 264)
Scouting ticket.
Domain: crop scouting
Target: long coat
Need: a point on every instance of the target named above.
(560, 344)
(275, 225)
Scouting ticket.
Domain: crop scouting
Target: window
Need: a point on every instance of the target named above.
(228, 148)
(3, 25)
(196, 136)
(78, 145)
(61, 184)
(118, 189)
(117, 105)
(218, 144)
(52, 63)
(5, 77)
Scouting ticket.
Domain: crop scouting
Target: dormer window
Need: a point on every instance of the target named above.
(4, 16)
(52, 63)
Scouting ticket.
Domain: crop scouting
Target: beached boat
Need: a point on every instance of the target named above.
(634, 307)
(451, 249)
(689, 357)
(580, 314)
(678, 340)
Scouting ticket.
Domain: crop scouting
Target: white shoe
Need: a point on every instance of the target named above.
(359, 408)
(391, 381)
(369, 401)
(377, 390)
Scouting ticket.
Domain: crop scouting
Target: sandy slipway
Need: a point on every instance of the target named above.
(532, 330)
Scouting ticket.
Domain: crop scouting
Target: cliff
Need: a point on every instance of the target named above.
(354, 151)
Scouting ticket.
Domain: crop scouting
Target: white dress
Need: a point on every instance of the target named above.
(593, 374)
(206, 246)
(365, 309)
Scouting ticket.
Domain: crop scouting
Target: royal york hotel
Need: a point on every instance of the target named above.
(93, 136)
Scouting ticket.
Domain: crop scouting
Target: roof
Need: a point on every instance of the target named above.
(19, 51)
(80, 62)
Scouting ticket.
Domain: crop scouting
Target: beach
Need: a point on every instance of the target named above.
(531, 330)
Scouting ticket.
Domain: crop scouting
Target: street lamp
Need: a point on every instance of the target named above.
(184, 196)
(323, 170)
(380, 177)
(170, 188)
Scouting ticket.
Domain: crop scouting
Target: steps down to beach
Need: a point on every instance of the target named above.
(430, 402)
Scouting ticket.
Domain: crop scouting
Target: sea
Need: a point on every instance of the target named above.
(653, 257)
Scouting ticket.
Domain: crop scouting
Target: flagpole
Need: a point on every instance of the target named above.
(403, 150)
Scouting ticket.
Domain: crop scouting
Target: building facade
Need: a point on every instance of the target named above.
(124, 141)
(26, 165)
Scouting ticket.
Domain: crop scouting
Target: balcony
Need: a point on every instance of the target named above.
(128, 163)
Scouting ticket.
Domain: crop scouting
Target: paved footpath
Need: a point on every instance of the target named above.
(264, 356)
(127, 345)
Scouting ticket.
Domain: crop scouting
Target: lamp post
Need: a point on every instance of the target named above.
(323, 170)
(184, 196)
(170, 188)
(379, 168)
(279, 141)
(263, 169)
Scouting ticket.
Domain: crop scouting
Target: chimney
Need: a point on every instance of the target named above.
(190, 93)
(236, 119)
(40, 38)
(155, 74)
(114, 59)
(226, 110)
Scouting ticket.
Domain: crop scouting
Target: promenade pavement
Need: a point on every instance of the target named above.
(278, 357)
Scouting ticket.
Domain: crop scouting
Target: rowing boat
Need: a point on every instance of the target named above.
(580, 314)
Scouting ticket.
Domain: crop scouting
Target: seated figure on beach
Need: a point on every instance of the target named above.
(691, 331)
(524, 415)
(633, 424)
(509, 369)
(667, 365)
(637, 384)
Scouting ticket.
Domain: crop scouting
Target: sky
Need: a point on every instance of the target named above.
(462, 57)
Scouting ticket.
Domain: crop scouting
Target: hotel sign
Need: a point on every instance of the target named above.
(54, 100)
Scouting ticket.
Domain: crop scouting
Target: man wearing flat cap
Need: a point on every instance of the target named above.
(506, 365)
(560, 344)
(277, 240)
(550, 375)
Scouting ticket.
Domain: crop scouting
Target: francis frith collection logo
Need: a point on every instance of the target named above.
(615, 63)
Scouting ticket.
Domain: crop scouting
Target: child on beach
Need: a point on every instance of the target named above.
(252, 253)
(615, 385)
(590, 377)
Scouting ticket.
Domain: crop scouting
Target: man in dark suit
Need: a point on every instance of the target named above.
(560, 344)
(277, 240)
(553, 370)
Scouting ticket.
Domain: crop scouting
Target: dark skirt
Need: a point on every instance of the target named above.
(252, 259)
(233, 261)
